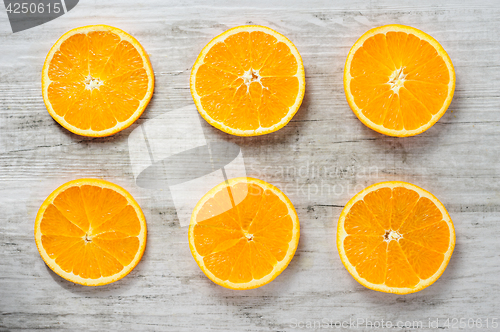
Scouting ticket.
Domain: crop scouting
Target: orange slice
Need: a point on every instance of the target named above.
(395, 237)
(248, 81)
(91, 232)
(96, 80)
(243, 233)
(398, 80)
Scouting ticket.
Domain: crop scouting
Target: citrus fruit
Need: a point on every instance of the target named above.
(395, 237)
(398, 80)
(243, 233)
(96, 80)
(91, 232)
(248, 81)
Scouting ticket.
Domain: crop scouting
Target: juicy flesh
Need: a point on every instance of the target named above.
(90, 231)
(243, 241)
(97, 80)
(399, 81)
(248, 81)
(395, 237)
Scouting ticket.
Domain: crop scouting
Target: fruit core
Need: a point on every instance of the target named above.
(92, 83)
(392, 235)
(249, 236)
(88, 238)
(250, 76)
(397, 80)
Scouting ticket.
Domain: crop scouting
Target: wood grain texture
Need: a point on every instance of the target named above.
(320, 159)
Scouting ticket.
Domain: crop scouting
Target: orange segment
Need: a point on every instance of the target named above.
(215, 103)
(359, 247)
(243, 233)
(213, 79)
(248, 81)
(281, 62)
(91, 232)
(270, 108)
(398, 80)
(376, 47)
(76, 49)
(124, 59)
(392, 117)
(262, 262)
(126, 222)
(362, 222)
(76, 114)
(424, 262)
(133, 83)
(379, 204)
(242, 102)
(423, 214)
(276, 237)
(96, 80)
(101, 109)
(285, 89)
(123, 249)
(435, 236)
(62, 70)
(399, 272)
(71, 205)
(239, 44)
(58, 225)
(220, 57)
(395, 237)
(55, 245)
(406, 199)
(374, 265)
(102, 44)
(102, 204)
(261, 44)
(60, 92)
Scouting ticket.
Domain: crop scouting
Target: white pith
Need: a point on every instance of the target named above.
(251, 76)
(397, 80)
(92, 83)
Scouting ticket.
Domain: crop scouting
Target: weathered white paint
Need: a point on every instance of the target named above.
(323, 148)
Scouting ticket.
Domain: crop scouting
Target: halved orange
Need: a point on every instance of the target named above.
(91, 232)
(97, 80)
(398, 80)
(248, 81)
(395, 237)
(243, 233)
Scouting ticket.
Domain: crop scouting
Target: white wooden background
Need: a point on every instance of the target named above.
(324, 146)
